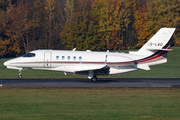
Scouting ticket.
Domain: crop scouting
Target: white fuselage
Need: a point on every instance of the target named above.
(94, 63)
(76, 61)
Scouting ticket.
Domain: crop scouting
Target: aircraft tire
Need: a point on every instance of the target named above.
(94, 79)
(20, 76)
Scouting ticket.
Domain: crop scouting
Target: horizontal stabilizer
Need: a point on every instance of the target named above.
(143, 66)
(159, 49)
(149, 49)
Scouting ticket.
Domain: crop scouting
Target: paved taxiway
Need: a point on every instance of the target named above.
(86, 83)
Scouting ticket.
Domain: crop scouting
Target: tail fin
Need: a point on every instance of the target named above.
(160, 41)
(155, 50)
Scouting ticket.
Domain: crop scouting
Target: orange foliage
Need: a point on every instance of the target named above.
(140, 25)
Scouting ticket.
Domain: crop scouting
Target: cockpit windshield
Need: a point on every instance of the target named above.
(29, 55)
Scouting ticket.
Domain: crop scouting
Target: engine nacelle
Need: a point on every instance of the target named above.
(115, 60)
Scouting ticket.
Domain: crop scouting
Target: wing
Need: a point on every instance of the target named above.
(88, 68)
(98, 69)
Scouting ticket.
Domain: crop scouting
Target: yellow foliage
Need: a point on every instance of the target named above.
(49, 7)
(140, 26)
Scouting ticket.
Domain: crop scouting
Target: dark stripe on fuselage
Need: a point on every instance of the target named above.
(154, 56)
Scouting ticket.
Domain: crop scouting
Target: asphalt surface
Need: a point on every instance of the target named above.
(86, 83)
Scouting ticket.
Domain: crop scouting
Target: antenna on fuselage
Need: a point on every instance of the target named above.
(74, 49)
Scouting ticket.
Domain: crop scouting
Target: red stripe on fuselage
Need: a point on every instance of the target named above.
(154, 57)
(121, 63)
(110, 63)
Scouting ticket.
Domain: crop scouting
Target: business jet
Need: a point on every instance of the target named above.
(91, 63)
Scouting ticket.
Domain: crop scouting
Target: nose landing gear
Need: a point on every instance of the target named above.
(20, 76)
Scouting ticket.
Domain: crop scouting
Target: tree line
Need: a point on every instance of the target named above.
(85, 24)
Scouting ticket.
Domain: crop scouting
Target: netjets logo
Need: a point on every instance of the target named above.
(154, 44)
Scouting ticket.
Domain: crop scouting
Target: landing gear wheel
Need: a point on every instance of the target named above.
(20, 76)
(94, 79)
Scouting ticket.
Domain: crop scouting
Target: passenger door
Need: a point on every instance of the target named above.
(47, 59)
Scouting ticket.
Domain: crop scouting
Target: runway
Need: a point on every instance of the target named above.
(86, 83)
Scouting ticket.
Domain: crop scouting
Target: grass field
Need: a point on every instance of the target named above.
(167, 70)
(90, 104)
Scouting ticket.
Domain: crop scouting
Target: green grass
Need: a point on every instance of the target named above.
(90, 103)
(171, 69)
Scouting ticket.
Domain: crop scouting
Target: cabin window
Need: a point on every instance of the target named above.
(74, 58)
(69, 58)
(80, 58)
(63, 57)
(57, 57)
(29, 55)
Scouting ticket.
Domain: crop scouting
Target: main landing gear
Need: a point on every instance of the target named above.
(94, 78)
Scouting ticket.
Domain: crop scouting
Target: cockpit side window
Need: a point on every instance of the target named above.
(29, 55)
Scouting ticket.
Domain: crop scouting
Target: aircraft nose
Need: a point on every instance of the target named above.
(6, 63)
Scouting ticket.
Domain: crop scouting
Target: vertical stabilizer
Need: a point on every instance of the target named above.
(160, 41)
(155, 50)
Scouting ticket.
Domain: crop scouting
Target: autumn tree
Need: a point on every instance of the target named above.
(140, 23)
(49, 19)
(115, 20)
(164, 13)
(18, 25)
(122, 21)
(126, 10)
(80, 31)
(15, 27)
(112, 22)
(102, 11)
(84, 24)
